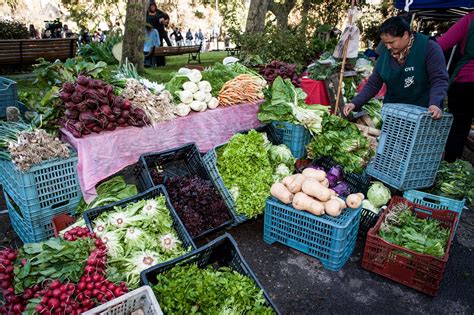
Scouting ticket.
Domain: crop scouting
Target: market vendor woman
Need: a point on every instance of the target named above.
(412, 66)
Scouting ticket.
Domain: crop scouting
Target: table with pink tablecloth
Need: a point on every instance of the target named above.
(102, 155)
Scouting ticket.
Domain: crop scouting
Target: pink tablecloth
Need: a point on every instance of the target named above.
(102, 155)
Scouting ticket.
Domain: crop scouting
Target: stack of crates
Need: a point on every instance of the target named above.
(329, 239)
(410, 148)
(35, 197)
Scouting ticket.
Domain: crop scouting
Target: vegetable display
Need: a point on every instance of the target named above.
(190, 289)
(310, 192)
(402, 227)
(247, 172)
(343, 142)
(242, 89)
(287, 104)
(281, 69)
(59, 276)
(455, 180)
(108, 192)
(157, 107)
(91, 106)
(137, 236)
(197, 202)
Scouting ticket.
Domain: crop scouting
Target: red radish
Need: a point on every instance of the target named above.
(53, 303)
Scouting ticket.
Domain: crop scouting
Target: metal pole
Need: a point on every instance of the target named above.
(217, 24)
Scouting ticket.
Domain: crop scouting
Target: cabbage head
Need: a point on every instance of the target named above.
(281, 154)
(378, 194)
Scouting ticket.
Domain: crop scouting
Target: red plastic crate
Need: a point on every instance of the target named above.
(419, 271)
(62, 221)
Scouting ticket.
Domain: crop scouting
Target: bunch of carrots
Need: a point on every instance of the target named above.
(242, 89)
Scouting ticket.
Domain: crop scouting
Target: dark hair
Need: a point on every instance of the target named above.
(395, 26)
(165, 16)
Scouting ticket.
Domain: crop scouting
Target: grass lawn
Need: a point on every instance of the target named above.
(158, 74)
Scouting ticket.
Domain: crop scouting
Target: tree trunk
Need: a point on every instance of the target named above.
(281, 11)
(256, 19)
(134, 36)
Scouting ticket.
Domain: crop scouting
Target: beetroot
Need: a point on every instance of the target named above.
(68, 88)
(106, 109)
(64, 96)
(71, 114)
(86, 117)
(122, 121)
(111, 126)
(76, 97)
(83, 80)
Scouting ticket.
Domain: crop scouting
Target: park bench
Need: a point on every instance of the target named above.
(27, 51)
(194, 52)
(233, 51)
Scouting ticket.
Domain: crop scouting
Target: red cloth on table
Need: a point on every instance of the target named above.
(316, 91)
(381, 93)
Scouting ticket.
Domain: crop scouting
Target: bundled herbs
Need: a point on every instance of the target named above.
(34, 147)
(217, 76)
(281, 69)
(157, 107)
(402, 227)
(190, 289)
(242, 89)
(108, 192)
(455, 180)
(128, 71)
(91, 106)
(197, 202)
(246, 171)
(137, 237)
(343, 142)
(287, 104)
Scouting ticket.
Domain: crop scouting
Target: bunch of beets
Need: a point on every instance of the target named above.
(91, 106)
(278, 68)
(53, 297)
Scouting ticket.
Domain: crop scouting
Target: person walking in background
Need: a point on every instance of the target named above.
(189, 38)
(461, 89)
(152, 40)
(177, 36)
(198, 37)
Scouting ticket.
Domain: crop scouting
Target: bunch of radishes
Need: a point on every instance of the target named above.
(91, 106)
(61, 298)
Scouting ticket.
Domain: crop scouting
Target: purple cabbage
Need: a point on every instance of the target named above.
(336, 171)
(332, 179)
(342, 189)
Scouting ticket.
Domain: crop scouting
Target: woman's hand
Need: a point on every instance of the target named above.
(349, 107)
(435, 111)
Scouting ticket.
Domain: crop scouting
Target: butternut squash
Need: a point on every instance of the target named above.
(279, 191)
(361, 196)
(332, 208)
(325, 183)
(302, 201)
(295, 185)
(341, 202)
(353, 201)
(287, 180)
(313, 188)
(314, 173)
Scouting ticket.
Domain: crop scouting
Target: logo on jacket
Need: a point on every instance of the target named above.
(409, 81)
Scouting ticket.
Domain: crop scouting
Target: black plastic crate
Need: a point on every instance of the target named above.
(357, 182)
(368, 219)
(221, 252)
(182, 161)
(160, 190)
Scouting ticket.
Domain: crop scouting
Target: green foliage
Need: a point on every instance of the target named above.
(87, 13)
(53, 259)
(455, 180)
(246, 171)
(96, 51)
(217, 76)
(13, 30)
(292, 45)
(189, 289)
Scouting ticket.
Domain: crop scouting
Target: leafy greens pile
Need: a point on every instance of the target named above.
(53, 259)
(189, 289)
(343, 142)
(109, 192)
(402, 227)
(218, 75)
(287, 103)
(137, 237)
(455, 180)
(374, 109)
(249, 165)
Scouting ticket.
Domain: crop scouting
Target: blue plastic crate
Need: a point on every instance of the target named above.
(43, 188)
(91, 214)
(295, 137)
(410, 148)
(33, 231)
(8, 95)
(330, 239)
(435, 202)
(183, 161)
